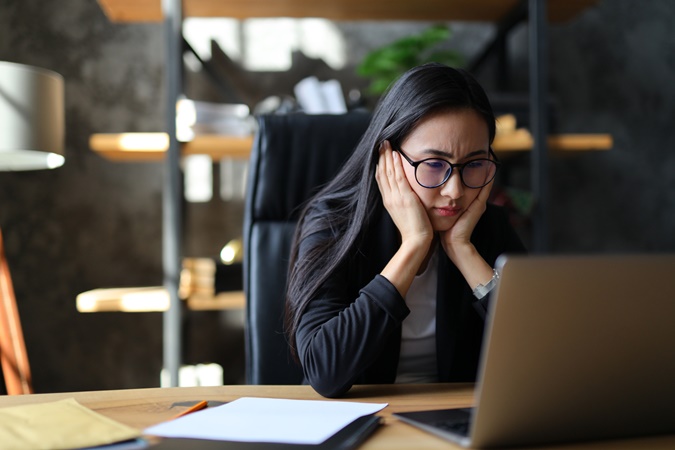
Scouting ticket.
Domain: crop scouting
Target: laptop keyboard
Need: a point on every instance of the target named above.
(456, 425)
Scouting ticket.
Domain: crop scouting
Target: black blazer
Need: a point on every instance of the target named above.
(350, 332)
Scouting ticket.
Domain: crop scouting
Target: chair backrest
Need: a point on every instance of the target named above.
(292, 156)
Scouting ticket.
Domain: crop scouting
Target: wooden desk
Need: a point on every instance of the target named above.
(141, 408)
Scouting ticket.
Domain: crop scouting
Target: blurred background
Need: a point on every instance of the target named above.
(98, 223)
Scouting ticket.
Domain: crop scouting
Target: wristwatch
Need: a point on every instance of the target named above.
(483, 289)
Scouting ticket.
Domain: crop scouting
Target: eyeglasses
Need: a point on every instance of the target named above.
(434, 172)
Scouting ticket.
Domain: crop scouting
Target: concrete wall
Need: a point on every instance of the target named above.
(95, 223)
(612, 71)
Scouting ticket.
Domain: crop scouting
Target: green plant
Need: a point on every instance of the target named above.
(385, 64)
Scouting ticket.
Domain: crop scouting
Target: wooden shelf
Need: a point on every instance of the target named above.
(522, 140)
(233, 300)
(197, 289)
(129, 299)
(153, 299)
(153, 146)
(116, 147)
(424, 10)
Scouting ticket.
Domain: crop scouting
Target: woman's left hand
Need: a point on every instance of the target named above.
(460, 234)
(458, 246)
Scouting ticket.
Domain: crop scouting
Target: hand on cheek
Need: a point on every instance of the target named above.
(403, 205)
(457, 242)
(460, 232)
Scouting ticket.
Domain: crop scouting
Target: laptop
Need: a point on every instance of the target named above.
(576, 348)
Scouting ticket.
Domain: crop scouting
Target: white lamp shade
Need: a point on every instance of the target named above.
(32, 120)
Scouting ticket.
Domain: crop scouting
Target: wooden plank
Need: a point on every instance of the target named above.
(522, 140)
(425, 10)
(141, 408)
(580, 142)
(128, 299)
(197, 287)
(152, 299)
(232, 300)
(152, 146)
(220, 146)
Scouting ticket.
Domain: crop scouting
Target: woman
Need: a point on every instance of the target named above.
(392, 260)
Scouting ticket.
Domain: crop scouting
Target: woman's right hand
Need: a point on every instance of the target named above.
(403, 205)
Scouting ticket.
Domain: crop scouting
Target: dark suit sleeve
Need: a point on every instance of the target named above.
(342, 330)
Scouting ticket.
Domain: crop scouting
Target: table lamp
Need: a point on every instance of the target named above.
(31, 137)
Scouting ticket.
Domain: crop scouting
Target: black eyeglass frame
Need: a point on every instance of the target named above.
(460, 166)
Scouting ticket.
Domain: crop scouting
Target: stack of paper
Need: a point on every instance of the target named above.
(268, 420)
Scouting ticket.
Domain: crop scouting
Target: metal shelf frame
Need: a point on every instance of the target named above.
(172, 196)
(536, 11)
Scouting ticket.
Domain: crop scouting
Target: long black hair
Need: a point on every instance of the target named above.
(353, 194)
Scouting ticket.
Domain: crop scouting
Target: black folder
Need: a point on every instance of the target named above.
(348, 438)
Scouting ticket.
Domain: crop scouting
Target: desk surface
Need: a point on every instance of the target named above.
(141, 408)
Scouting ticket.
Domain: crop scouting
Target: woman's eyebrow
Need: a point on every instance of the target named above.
(477, 153)
(450, 155)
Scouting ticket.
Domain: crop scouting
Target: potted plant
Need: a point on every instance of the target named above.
(385, 64)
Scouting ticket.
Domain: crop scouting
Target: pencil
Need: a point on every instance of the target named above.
(196, 407)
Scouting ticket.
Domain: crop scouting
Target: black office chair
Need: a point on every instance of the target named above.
(292, 156)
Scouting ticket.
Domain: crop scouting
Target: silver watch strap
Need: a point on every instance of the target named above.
(483, 289)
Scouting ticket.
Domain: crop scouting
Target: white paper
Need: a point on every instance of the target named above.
(267, 420)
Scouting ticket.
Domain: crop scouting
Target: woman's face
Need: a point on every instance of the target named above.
(458, 136)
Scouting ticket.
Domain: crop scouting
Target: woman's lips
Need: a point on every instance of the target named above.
(449, 211)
